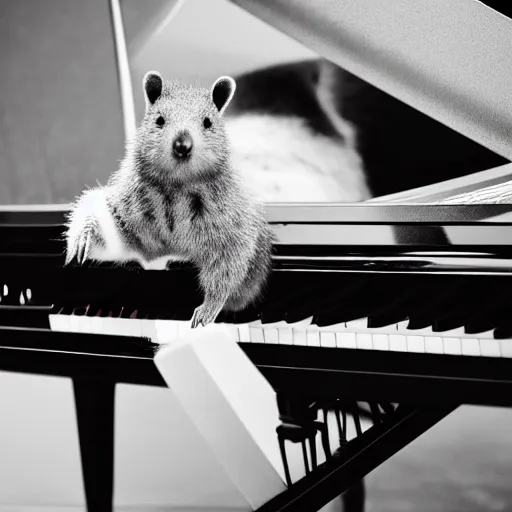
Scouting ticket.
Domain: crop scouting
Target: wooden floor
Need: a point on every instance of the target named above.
(463, 464)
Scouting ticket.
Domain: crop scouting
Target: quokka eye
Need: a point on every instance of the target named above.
(160, 121)
(207, 123)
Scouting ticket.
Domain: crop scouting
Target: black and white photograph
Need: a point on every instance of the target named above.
(254, 256)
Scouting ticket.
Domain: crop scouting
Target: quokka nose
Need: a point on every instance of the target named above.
(182, 145)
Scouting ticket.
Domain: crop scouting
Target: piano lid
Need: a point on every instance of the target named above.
(449, 60)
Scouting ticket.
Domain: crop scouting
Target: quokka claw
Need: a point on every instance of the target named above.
(203, 316)
(84, 246)
(80, 244)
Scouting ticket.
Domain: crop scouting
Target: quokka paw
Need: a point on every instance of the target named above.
(81, 240)
(204, 315)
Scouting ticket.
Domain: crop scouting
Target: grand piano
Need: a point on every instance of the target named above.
(394, 311)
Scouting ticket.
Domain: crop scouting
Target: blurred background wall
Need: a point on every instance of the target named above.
(60, 113)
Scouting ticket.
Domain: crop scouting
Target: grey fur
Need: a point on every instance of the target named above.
(195, 209)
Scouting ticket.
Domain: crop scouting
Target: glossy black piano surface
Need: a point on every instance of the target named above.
(444, 269)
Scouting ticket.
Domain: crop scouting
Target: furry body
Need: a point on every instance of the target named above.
(163, 205)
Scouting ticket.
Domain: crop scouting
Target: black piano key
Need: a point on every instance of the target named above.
(360, 304)
(402, 302)
(124, 312)
(339, 314)
(326, 299)
(458, 315)
(90, 310)
(496, 306)
(63, 310)
(290, 298)
(503, 331)
(427, 312)
(81, 311)
(249, 314)
(473, 303)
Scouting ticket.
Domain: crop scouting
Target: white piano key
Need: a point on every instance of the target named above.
(434, 345)
(462, 334)
(506, 348)
(271, 331)
(489, 335)
(54, 322)
(470, 347)
(346, 340)
(256, 334)
(89, 324)
(301, 324)
(128, 326)
(390, 329)
(80, 323)
(166, 330)
(271, 335)
(148, 329)
(452, 346)
(183, 328)
(490, 348)
(313, 337)
(59, 322)
(341, 327)
(285, 336)
(100, 325)
(453, 333)
(364, 341)
(426, 331)
(274, 325)
(133, 328)
(360, 324)
(243, 333)
(231, 331)
(397, 343)
(327, 339)
(299, 337)
(416, 344)
(114, 326)
(381, 342)
(401, 326)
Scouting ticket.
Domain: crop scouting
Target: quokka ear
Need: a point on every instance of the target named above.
(152, 84)
(222, 92)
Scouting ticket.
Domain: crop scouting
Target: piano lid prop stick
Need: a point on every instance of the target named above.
(233, 407)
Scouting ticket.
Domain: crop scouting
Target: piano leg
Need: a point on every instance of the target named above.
(94, 401)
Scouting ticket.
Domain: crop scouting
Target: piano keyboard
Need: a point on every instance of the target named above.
(356, 334)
